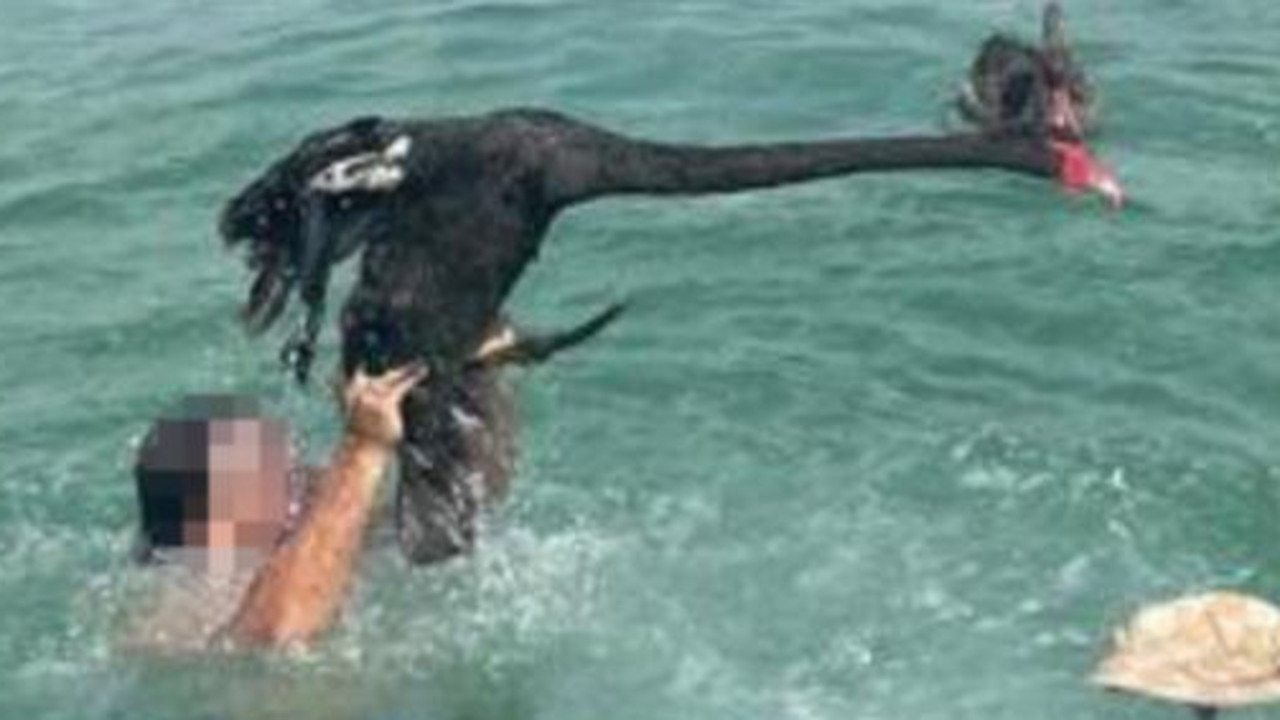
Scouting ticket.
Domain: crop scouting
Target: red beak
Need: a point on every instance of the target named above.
(1079, 171)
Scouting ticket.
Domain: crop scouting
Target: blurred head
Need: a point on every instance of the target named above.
(214, 475)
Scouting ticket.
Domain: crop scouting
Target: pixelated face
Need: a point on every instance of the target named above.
(217, 476)
(248, 461)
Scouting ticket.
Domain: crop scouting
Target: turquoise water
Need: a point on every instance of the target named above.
(888, 447)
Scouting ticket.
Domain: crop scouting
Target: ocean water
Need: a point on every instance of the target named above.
(883, 447)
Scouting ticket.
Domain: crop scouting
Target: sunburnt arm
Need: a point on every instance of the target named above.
(298, 592)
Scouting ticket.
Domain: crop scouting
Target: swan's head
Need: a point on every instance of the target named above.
(314, 207)
(1067, 100)
(1017, 87)
(1039, 93)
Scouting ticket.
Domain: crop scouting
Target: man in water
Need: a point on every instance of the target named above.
(240, 558)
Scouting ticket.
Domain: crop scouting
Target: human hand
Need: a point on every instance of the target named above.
(371, 405)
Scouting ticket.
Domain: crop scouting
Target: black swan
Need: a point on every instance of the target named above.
(449, 211)
(1015, 86)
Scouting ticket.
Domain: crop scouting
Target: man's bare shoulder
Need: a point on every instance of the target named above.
(185, 605)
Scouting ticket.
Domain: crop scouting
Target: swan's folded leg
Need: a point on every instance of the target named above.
(459, 450)
(511, 345)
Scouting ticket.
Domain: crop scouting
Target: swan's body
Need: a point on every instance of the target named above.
(450, 211)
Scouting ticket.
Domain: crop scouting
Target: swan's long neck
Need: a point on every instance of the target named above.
(652, 168)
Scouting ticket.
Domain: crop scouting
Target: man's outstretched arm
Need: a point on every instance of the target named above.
(299, 590)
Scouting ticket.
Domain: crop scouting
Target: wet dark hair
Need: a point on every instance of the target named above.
(172, 468)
